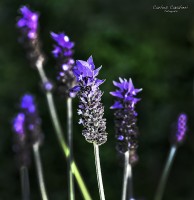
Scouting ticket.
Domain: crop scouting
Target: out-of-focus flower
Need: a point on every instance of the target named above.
(181, 128)
(90, 106)
(33, 121)
(28, 26)
(27, 103)
(28, 23)
(125, 115)
(26, 125)
(18, 124)
(63, 52)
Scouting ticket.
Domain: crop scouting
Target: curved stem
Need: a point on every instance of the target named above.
(125, 176)
(39, 171)
(98, 172)
(59, 134)
(70, 144)
(25, 183)
(165, 174)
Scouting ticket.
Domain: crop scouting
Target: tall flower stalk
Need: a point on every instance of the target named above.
(177, 140)
(28, 26)
(22, 150)
(34, 135)
(126, 128)
(66, 80)
(27, 125)
(91, 110)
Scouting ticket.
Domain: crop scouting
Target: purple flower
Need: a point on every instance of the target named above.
(125, 115)
(28, 26)
(63, 51)
(181, 127)
(28, 23)
(90, 106)
(18, 124)
(126, 93)
(63, 45)
(26, 125)
(27, 102)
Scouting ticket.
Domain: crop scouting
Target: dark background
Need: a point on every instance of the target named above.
(130, 39)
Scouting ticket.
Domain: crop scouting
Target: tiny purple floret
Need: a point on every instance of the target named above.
(27, 102)
(18, 123)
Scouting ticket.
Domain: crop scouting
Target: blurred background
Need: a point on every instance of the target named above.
(130, 39)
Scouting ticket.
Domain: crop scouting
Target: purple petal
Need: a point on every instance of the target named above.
(120, 79)
(91, 62)
(56, 51)
(69, 45)
(116, 94)
(96, 72)
(54, 35)
(21, 23)
(120, 85)
(116, 105)
(18, 123)
(99, 82)
(68, 53)
(75, 89)
(81, 63)
(25, 11)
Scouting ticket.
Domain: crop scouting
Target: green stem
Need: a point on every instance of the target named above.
(98, 172)
(125, 176)
(39, 171)
(165, 174)
(25, 183)
(70, 144)
(59, 134)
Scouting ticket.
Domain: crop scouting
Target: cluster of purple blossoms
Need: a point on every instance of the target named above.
(90, 106)
(28, 22)
(181, 128)
(63, 53)
(26, 125)
(125, 115)
(28, 26)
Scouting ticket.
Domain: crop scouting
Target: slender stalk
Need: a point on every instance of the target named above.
(130, 182)
(125, 176)
(25, 185)
(165, 174)
(59, 134)
(39, 171)
(98, 172)
(70, 144)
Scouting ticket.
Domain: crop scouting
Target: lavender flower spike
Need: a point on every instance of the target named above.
(33, 121)
(125, 115)
(181, 128)
(63, 51)
(28, 23)
(28, 26)
(90, 107)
